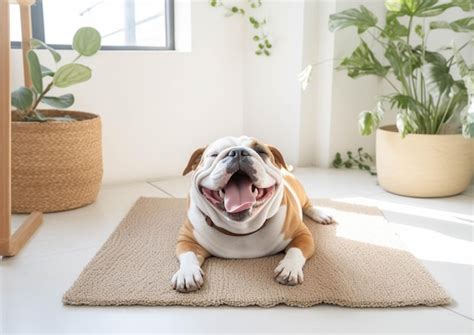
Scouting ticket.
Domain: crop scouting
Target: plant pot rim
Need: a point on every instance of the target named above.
(82, 117)
(391, 129)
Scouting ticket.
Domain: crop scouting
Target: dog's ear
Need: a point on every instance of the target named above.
(194, 161)
(278, 157)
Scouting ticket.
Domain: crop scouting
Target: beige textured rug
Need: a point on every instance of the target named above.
(358, 262)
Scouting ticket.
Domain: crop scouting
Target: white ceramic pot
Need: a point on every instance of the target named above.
(423, 165)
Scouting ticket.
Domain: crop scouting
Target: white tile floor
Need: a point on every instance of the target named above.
(438, 231)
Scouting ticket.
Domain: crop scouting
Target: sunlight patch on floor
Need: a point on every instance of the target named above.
(431, 245)
(412, 210)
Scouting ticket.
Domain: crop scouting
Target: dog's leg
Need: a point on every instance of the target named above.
(317, 214)
(290, 269)
(191, 255)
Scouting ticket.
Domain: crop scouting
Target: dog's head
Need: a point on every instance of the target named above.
(236, 177)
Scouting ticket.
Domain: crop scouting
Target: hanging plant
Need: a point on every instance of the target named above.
(260, 37)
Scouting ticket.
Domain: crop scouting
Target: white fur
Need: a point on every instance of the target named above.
(267, 241)
(318, 215)
(189, 277)
(290, 269)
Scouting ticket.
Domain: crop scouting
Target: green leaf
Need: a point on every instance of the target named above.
(45, 71)
(439, 25)
(361, 18)
(468, 130)
(256, 38)
(406, 123)
(63, 101)
(370, 120)
(393, 5)
(403, 58)
(362, 62)
(22, 98)
(266, 52)
(419, 31)
(402, 102)
(424, 8)
(35, 71)
(367, 123)
(465, 5)
(437, 78)
(86, 41)
(234, 9)
(35, 44)
(465, 71)
(258, 52)
(464, 25)
(337, 162)
(393, 29)
(71, 74)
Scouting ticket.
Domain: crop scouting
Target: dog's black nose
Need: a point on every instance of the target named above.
(238, 153)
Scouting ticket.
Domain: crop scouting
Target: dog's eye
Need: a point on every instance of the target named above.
(213, 155)
(261, 153)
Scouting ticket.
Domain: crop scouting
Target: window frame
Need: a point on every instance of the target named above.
(38, 32)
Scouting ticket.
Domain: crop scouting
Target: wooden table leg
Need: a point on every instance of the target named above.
(9, 245)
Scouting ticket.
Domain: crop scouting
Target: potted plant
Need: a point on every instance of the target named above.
(56, 154)
(429, 152)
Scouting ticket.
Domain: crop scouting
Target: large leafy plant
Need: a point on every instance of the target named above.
(426, 95)
(86, 43)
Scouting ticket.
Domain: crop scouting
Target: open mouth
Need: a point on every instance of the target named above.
(239, 195)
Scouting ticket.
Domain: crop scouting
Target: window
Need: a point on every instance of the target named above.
(123, 24)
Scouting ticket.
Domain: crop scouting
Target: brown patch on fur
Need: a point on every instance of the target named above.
(194, 161)
(187, 242)
(277, 157)
(274, 154)
(294, 228)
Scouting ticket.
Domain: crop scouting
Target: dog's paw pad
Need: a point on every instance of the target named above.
(188, 279)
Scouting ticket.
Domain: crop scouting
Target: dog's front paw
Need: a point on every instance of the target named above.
(188, 279)
(319, 216)
(290, 269)
(288, 274)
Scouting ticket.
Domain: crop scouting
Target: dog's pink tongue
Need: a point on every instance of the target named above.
(238, 194)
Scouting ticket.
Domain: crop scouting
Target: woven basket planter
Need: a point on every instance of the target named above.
(56, 166)
(423, 165)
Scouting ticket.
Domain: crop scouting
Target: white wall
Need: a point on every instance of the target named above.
(272, 94)
(157, 107)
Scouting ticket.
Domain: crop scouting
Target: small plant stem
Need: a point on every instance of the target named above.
(462, 47)
(41, 96)
(77, 58)
(391, 84)
(384, 45)
(444, 116)
(409, 29)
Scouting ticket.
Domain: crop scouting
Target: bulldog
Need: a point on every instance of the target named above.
(244, 203)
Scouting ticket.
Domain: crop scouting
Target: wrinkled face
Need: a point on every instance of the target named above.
(238, 176)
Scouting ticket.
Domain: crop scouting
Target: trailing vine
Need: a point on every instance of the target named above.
(361, 160)
(260, 36)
